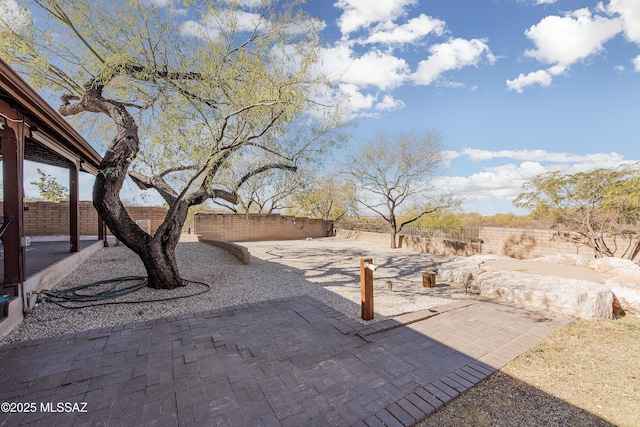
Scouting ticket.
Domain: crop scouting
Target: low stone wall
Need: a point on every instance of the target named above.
(237, 251)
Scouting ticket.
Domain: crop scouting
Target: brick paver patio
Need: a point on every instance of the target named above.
(288, 362)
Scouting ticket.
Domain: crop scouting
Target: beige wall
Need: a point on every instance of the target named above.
(512, 242)
(414, 243)
(52, 218)
(527, 244)
(240, 227)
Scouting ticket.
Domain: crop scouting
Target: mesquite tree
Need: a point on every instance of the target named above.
(387, 173)
(184, 91)
(599, 208)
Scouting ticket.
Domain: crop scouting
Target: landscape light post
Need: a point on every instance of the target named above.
(366, 287)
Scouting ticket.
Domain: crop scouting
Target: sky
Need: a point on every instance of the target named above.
(514, 88)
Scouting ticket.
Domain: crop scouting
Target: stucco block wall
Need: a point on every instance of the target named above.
(513, 242)
(414, 243)
(527, 244)
(240, 227)
(52, 218)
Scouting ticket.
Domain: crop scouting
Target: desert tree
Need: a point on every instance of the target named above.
(327, 197)
(50, 189)
(599, 208)
(386, 173)
(265, 192)
(184, 90)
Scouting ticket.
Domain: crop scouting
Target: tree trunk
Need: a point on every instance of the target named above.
(160, 257)
(159, 260)
(392, 239)
(158, 252)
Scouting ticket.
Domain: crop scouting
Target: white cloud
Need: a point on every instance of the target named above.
(357, 100)
(540, 77)
(629, 11)
(359, 14)
(159, 3)
(248, 3)
(564, 40)
(498, 183)
(546, 1)
(13, 15)
(478, 155)
(388, 103)
(448, 156)
(210, 26)
(415, 29)
(503, 182)
(452, 55)
(373, 69)
(636, 64)
(575, 36)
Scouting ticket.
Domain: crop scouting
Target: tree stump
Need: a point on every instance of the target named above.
(429, 279)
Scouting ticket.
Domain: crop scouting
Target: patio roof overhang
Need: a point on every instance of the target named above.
(30, 129)
(49, 138)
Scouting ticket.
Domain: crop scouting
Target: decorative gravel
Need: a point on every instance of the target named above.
(326, 269)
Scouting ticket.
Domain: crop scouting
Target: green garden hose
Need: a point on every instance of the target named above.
(79, 296)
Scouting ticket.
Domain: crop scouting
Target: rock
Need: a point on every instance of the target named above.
(627, 289)
(463, 270)
(625, 283)
(614, 266)
(567, 259)
(578, 298)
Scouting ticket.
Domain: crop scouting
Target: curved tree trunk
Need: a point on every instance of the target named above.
(158, 252)
(159, 258)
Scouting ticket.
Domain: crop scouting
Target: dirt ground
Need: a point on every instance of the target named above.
(585, 374)
(548, 269)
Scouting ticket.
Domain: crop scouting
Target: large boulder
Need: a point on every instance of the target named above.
(614, 266)
(578, 298)
(566, 259)
(624, 283)
(463, 270)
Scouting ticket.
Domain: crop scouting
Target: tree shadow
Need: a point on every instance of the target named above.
(520, 246)
(304, 362)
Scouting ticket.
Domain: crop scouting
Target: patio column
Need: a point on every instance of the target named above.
(74, 208)
(12, 138)
(101, 231)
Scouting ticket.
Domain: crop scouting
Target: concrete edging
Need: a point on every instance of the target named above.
(234, 249)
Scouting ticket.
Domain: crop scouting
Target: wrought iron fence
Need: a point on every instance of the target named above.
(459, 234)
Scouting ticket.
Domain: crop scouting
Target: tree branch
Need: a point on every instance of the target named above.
(264, 168)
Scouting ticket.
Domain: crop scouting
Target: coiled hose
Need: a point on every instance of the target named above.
(81, 296)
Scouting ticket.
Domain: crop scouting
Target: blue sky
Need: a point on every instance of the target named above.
(514, 87)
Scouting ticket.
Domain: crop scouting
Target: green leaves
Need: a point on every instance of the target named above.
(49, 187)
(594, 206)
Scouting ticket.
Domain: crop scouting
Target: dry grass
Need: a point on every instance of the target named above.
(585, 374)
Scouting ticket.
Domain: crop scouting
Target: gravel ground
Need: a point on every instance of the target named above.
(326, 269)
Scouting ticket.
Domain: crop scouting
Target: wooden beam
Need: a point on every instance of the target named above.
(12, 142)
(74, 208)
